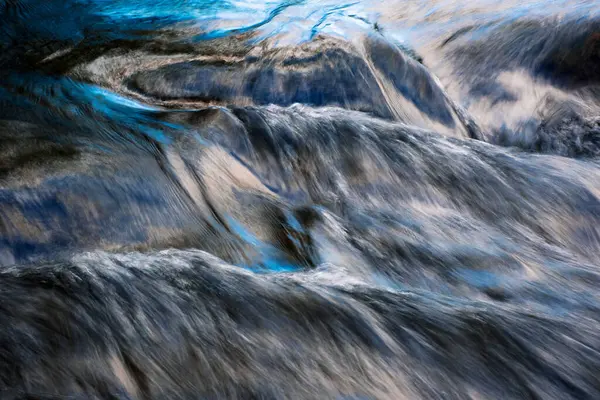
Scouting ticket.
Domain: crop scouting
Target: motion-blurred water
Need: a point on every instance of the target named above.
(299, 199)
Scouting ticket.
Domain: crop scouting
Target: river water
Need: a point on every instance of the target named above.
(299, 199)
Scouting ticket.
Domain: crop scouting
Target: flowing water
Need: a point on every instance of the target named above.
(303, 199)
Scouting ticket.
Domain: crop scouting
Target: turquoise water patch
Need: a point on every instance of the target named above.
(480, 279)
(270, 259)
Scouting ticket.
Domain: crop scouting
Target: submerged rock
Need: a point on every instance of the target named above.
(374, 76)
